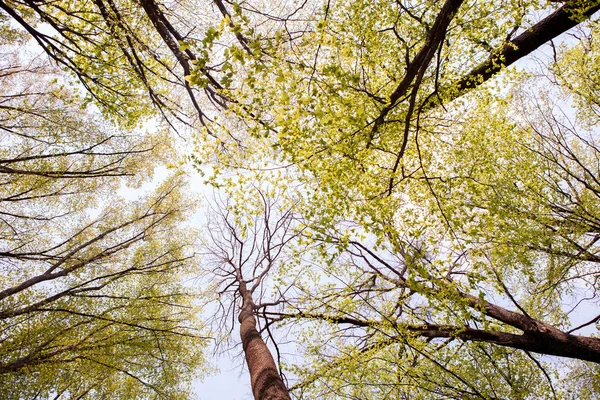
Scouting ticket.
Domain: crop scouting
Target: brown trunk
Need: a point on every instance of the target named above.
(265, 380)
(538, 336)
(546, 341)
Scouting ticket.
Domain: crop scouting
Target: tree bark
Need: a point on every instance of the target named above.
(265, 380)
(553, 342)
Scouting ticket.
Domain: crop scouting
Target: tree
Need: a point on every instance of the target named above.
(91, 303)
(245, 245)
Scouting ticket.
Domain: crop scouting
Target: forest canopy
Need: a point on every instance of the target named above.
(91, 302)
(406, 196)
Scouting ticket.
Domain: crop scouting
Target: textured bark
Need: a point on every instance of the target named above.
(265, 380)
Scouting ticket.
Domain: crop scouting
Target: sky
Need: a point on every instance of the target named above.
(231, 382)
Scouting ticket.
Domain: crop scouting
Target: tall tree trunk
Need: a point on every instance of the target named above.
(265, 380)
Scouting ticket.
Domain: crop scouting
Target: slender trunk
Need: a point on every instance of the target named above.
(265, 380)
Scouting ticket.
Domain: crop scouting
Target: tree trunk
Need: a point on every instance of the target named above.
(265, 380)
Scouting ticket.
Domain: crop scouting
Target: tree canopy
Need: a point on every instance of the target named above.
(91, 304)
(435, 166)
